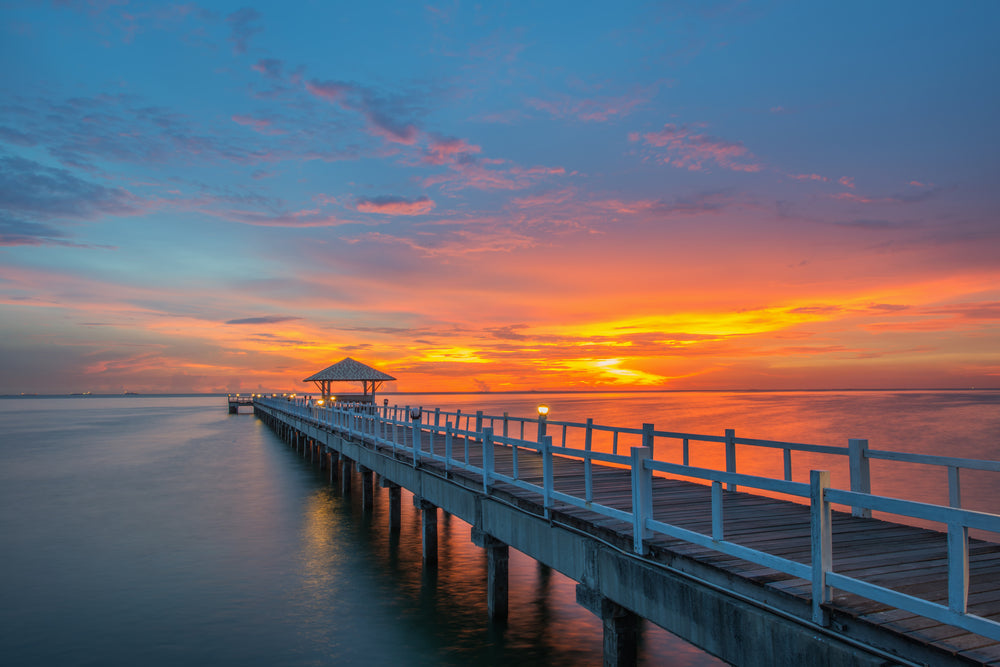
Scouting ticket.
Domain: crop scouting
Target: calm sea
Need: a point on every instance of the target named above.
(163, 531)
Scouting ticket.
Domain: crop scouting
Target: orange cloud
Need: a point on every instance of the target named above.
(389, 205)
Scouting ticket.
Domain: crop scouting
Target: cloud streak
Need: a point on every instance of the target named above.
(685, 147)
(392, 205)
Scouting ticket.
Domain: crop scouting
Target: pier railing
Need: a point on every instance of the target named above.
(388, 426)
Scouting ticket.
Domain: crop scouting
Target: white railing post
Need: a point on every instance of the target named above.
(487, 459)
(588, 477)
(447, 445)
(647, 439)
(730, 456)
(718, 518)
(861, 476)
(505, 425)
(547, 480)
(479, 421)
(415, 437)
(642, 498)
(437, 417)
(822, 543)
(954, 487)
(958, 567)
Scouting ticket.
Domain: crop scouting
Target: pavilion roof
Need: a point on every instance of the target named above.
(349, 370)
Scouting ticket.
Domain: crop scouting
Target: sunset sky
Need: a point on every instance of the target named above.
(499, 196)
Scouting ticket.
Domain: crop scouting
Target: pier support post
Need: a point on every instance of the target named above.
(332, 464)
(621, 627)
(395, 504)
(497, 562)
(367, 490)
(345, 476)
(429, 530)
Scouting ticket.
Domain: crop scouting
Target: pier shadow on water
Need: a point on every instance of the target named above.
(443, 608)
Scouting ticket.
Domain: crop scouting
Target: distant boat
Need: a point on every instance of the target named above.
(85, 393)
(130, 393)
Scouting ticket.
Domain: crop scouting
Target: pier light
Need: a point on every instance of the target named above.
(385, 401)
(319, 401)
(543, 413)
(415, 413)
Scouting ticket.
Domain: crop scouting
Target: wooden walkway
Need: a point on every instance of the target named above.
(904, 558)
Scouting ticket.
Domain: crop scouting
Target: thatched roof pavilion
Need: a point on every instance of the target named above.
(349, 370)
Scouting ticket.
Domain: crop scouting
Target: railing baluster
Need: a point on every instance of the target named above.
(954, 487)
(687, 460)
(787, 453)
(513, 453)
(958, 567)
(642, 498)
(730, 455)
(822, 543)
(447, 445)
(718, 522)
(487, 459)
(547, 481)
(861, 476)
(588, 477)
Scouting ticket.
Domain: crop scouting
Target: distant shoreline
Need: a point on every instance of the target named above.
(528, 392)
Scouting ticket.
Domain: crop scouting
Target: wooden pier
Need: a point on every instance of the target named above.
(751, 578)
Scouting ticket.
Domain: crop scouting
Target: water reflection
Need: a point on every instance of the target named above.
(446, 604)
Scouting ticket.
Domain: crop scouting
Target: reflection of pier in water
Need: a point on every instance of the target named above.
(730, 571)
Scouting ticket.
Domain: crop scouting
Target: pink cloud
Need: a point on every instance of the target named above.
(847, 181)
(389, 205)
(686, 148)
(260, 125)
(809, 177)
(588, 110)
(269, 67)
(850, 196)
(378, 113)
(476, 174)
(544, 199)
(303, 218)
(446, 150)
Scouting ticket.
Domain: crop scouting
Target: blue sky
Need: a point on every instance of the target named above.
(214, 196)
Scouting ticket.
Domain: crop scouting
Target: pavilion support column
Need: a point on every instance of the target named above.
(429, 530)
(367, 490)
(497, 586)
(395, 504)
(345, 476)
(621, 627)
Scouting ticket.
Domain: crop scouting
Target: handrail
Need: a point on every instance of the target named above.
(383, 425)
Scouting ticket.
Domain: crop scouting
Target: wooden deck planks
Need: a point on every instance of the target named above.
(908, 559)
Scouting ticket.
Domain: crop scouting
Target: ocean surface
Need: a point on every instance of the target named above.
(164, 531)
